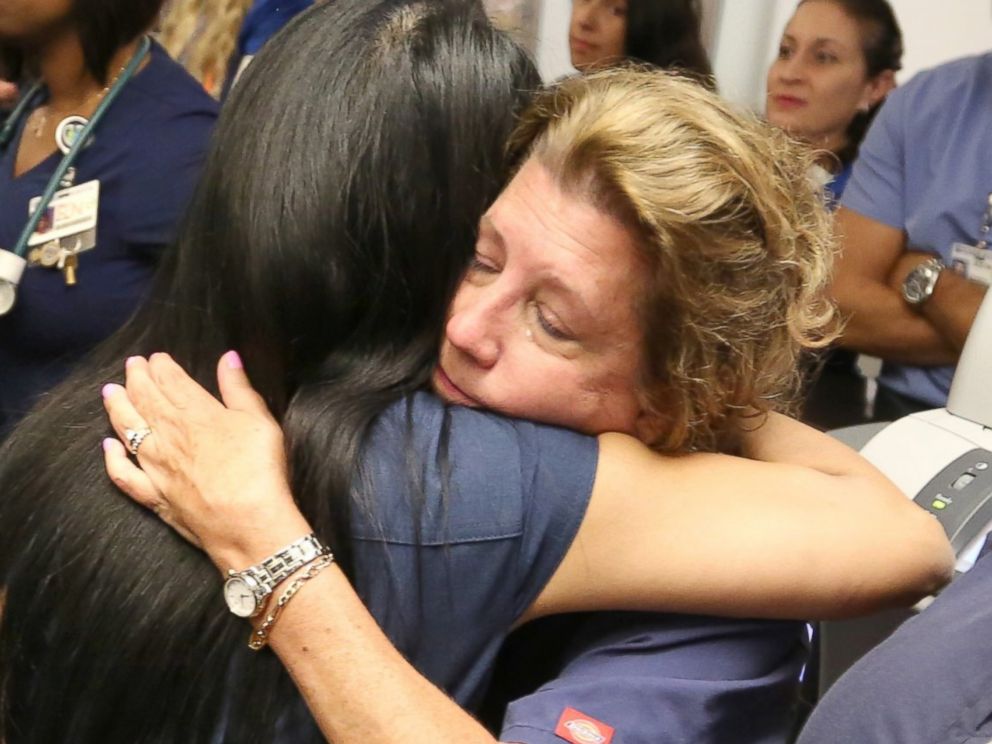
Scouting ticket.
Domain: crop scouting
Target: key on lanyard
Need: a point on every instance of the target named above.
(986, 228)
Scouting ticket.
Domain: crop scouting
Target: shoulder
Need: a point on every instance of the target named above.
(959, 81)
(480, 476)
(164, 93)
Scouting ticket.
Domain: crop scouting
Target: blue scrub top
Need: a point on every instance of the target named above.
(642, 678)
(925, 168)
(147, 154)
(264, 20)
(928, 683)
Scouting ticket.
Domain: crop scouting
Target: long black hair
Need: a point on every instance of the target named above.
(667, 34)
(337, 210)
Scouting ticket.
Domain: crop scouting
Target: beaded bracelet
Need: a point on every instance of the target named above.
(260, 636)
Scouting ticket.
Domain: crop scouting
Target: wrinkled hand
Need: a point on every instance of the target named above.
(214, 471)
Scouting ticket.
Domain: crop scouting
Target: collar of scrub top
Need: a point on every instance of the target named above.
(10, 127)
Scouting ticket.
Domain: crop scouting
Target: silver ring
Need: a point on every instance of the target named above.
(135, 437)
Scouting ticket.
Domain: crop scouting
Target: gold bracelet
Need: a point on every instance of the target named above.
(260, 637)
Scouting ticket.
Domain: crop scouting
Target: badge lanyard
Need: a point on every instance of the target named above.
(986, 228)
(12, 262)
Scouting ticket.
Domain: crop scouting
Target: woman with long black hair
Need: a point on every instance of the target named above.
(663, 33)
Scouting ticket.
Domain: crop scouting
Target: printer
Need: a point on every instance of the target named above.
(942, 459)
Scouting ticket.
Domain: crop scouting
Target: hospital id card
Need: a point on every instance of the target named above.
(70, 218)
(972, 262)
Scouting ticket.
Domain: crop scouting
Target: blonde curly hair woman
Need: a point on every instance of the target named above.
(203, 34)
(715, 239)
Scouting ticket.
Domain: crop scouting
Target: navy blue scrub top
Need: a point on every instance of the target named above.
(930, 682)
(642, 678)
(147, 154)
(264, 20)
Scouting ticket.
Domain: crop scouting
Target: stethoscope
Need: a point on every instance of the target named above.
(13, 262)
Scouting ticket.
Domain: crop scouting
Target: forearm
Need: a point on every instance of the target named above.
(359, 688)
(879, 322)
(781, 439)
(906, 538)
(952, 308)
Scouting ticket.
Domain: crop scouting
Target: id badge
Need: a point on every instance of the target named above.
(972, 262)
(70, 218)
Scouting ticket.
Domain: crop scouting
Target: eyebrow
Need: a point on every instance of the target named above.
(488, 226)
(571, 296)
(818, 41)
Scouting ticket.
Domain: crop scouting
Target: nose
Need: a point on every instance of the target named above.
(474, 327)
(585, 16)
(790, 70)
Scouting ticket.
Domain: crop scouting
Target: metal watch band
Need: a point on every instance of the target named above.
(280, 565)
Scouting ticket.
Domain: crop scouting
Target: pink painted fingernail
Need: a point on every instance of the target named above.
(107, 390)
(131, 360)
(108, 444)
(234, 360)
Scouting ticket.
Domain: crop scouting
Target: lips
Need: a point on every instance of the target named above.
(580, 45)
(450, 392)
(788, 102)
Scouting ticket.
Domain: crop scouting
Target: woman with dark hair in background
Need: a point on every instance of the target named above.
(663, 33)
(73, 57)
(836, 63)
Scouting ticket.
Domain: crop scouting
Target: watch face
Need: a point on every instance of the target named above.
(914, 288)
(239, 596)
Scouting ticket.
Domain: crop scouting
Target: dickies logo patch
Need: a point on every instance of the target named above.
(578, 728)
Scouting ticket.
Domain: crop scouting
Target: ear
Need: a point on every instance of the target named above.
(877, 88)
(650, 426)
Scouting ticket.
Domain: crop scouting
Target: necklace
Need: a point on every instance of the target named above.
(38, 127)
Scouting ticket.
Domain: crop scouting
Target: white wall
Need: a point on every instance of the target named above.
(552, 39)
(747, 34)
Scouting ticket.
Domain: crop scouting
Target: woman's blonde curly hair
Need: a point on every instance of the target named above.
(732, 227)
(202, 34)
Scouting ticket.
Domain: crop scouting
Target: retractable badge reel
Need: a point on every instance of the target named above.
(11, 270)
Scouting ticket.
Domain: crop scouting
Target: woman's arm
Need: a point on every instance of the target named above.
(801, 527)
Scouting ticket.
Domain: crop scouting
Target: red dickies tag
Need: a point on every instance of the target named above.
(579, 728)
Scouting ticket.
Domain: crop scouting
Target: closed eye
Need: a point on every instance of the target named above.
(551, 326)
(482, 264)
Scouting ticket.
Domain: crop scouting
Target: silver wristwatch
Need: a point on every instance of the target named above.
(920, 282)
(246, 591)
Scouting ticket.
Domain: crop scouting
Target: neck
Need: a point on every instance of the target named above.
(830, 144)
(63, 70)
(62, 67)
